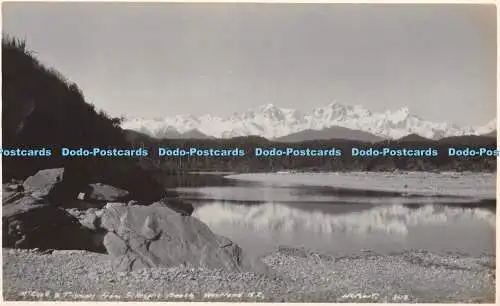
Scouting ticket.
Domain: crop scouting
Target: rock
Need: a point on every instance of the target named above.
(74, 212)
(115, 245)
(106, 193)
(139, 182)
(43, 182)
(292, 251)
(152, 236)
(31, 222)
(89, 218)
(15, 187)
(9, 197)
(21, 205)
(90, 221)
(182, 207)
(116, 204)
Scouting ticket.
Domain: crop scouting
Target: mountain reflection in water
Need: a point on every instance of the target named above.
(260, 216)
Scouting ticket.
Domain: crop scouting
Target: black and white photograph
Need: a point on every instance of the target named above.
(249, 152)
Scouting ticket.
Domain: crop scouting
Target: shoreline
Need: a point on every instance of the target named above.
(298, 276)
(413, 183)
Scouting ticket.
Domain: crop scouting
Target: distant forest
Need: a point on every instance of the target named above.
(251, 163)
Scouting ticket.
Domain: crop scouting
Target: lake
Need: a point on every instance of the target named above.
(345, 213)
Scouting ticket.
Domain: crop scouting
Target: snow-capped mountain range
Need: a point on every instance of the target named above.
(273, 122)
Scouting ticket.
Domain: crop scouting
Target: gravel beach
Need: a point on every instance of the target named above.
(300, 276)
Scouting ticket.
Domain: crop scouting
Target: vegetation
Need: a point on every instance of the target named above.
(41, 108)
(251, 163)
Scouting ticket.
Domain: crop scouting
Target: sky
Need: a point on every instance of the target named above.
(163, 59)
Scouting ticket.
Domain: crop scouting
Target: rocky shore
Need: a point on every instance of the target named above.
(298, 276)
(98, 243)
(40, 213)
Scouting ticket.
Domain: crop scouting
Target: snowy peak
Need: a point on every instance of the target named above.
(271, 112)
(272, 122)
(401, 114)
(267, 108)
(339, 112)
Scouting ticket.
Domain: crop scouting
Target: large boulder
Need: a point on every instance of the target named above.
(150, 236)
(106, 193)
(43, 182)
(32, 222)
(177, 205)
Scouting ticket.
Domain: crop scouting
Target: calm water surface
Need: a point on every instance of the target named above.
(260, 215)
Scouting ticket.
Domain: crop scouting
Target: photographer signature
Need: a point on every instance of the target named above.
(374, 296)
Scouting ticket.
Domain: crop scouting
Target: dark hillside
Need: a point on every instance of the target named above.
(43, 109)
(414, 138)
(334, 132)
(491, 134)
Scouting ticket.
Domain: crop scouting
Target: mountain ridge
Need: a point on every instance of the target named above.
(273, 122)
(334, 132)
